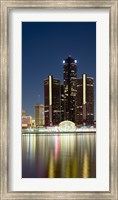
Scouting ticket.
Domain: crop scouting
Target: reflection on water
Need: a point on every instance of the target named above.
(59, 156)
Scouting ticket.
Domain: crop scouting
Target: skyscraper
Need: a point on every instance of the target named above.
(70, 90)
(62, 103)
(26, 121)
(52, 101)
(85, 100)
(39, 115)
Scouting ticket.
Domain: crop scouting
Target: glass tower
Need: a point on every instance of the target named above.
(52, 99)
(85, 100)
(70, 90)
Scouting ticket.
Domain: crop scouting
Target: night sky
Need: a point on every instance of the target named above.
(44, 46)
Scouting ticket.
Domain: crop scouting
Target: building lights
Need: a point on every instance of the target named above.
(76, 96)
(84, 88)
(67, 126)
(50, 90)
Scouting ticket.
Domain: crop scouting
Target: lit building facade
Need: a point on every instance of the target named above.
(62, 103)
(33, 123)
(85, 100)
(52, 99)
(26, 122)
(70, 90)
(39, 115)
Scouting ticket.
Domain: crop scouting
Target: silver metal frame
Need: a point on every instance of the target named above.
(4, 77)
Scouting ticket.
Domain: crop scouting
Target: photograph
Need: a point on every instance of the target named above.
(58, 100)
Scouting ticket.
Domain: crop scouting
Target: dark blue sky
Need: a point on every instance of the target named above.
(44, 46)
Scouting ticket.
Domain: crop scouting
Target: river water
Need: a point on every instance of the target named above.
(59, 155)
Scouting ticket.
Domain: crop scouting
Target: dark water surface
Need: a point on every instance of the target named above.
(59, 156)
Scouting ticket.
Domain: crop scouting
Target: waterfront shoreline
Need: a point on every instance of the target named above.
(58, 133)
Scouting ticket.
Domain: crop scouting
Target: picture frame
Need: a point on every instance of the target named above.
(4, 76)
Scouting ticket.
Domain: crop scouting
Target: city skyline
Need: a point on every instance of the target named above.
(42, 44)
